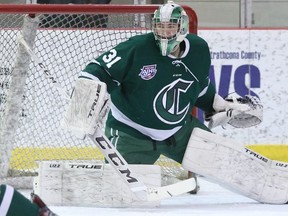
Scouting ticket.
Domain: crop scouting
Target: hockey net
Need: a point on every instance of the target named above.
(64, 38)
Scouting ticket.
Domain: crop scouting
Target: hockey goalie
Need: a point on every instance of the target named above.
(153, 82)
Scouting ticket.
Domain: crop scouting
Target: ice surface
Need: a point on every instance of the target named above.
(211, 200)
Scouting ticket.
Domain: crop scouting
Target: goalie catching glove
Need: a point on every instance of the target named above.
(238, 112)
(88, 107)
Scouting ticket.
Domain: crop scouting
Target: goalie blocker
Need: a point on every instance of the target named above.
(88, 107)
(237, 168)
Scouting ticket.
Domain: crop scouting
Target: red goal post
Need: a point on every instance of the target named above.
(30, 107)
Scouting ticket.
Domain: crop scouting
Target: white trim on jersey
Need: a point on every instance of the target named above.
(187, 48)
(115, 134)
(88, 75)
(7, 198)
(203, 92)
(155, 134)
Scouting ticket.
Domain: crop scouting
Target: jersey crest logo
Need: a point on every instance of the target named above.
(167, 102)
(148, 72)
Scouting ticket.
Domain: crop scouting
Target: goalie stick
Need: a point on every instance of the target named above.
(137, 187)
(61, 91)
(114, 158)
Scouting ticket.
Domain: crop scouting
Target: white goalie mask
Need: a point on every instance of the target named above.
(170, 26)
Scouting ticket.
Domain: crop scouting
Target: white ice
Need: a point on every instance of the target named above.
(211, 200)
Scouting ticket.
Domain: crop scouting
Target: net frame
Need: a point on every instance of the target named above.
(92, 9)
(33, 10)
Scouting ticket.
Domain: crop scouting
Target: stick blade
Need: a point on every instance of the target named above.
(172, 190)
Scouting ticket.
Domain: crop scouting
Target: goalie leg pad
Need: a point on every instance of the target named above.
(236, 167)
(91, 184)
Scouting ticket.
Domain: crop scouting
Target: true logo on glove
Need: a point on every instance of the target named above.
(95, 101)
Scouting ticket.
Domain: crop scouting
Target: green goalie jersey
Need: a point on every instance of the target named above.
(151, 93)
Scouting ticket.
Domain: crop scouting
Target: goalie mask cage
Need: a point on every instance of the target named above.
(64, 38)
